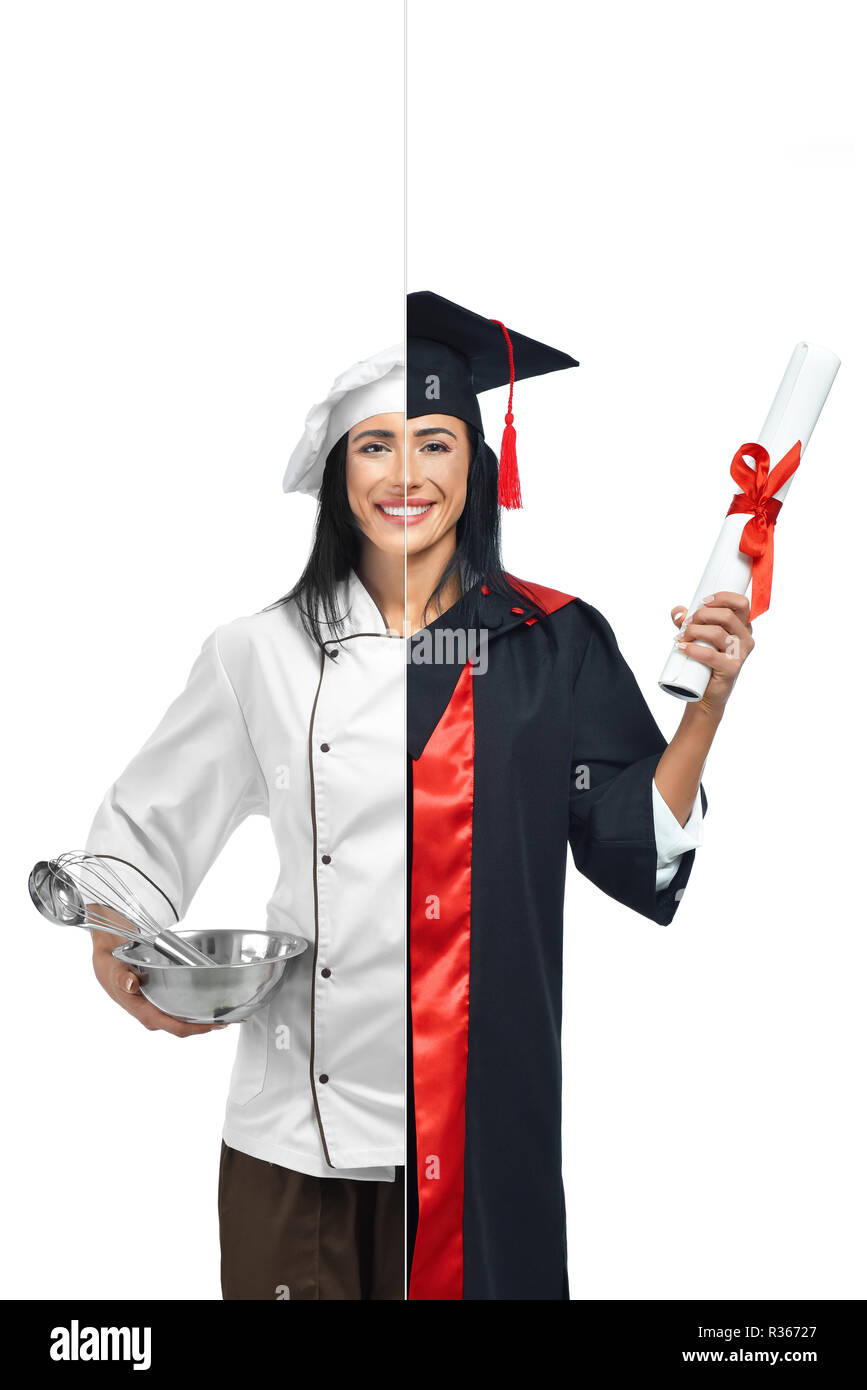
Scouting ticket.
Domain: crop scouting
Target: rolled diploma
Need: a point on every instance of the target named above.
(793, 415)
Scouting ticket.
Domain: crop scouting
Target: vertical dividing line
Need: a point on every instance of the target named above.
(406, 636)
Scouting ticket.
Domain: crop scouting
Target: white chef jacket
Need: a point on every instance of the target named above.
(270, 725)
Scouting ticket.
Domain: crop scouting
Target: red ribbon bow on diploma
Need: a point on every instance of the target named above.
(757, 497)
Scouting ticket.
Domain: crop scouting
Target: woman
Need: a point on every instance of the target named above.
(526, 733)
(296, 713)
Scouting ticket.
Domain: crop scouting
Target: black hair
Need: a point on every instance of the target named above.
(334, 553)
(337, 542)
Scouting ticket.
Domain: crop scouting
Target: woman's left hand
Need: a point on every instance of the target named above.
(724, 621)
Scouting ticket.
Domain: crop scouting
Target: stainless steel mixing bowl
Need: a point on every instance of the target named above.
(251, 966)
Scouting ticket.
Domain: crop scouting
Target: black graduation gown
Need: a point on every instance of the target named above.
(552, 745)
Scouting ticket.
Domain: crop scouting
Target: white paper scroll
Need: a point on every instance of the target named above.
(793, 415)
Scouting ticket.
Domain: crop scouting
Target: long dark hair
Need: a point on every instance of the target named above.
(337, 542)
(334, 553)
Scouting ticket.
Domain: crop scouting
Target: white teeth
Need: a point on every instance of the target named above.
(406, 511)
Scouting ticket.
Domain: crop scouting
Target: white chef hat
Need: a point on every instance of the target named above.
(376, 386)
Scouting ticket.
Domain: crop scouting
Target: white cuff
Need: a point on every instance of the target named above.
(672, 838)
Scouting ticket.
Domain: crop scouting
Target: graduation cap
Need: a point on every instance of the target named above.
(454, 354)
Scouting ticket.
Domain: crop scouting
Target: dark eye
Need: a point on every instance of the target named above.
(435, 446)
(373, 448)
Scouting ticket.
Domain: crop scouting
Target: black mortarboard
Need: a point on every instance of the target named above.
(454, 354)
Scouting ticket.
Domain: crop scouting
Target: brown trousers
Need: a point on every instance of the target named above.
(288, 1235)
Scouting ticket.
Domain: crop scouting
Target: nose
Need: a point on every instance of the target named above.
(394, 474)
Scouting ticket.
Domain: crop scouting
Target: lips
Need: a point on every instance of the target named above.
(405, 514)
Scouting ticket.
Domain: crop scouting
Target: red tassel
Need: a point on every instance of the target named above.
(508, 482)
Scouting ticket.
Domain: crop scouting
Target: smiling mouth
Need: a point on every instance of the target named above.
(407, 515)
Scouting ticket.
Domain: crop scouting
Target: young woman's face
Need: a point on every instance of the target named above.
(437, 464)
(374, 479)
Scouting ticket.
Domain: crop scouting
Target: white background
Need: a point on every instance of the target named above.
(203, 224)
(673, 193)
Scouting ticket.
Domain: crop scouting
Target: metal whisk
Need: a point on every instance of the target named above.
(85, 890)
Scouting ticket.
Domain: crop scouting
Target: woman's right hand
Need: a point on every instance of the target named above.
(123, 986)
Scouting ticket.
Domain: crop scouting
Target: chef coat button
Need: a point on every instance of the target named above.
(486, 589)
(326, 858)
(326, 973)
(324, 1077)
(324, 747)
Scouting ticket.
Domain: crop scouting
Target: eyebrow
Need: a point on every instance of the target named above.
(438, 429)
(377, 434)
